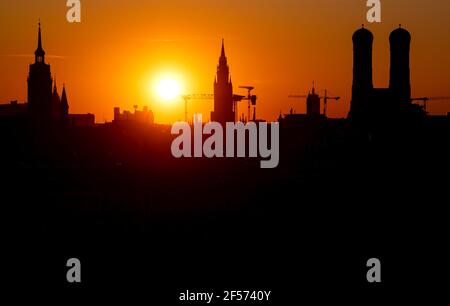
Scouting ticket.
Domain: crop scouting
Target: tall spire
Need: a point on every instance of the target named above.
(223, 48)
(63, 95)
(64, 101)
(223, 73)
(39, 36)
(39, 53)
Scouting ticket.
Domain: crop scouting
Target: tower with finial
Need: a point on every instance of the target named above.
(376, 108)
(223, 92)
(39, 53)
(40, 85)
(399, 81)
(362, 62)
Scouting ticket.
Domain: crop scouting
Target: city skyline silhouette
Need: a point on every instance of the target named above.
(88, 171)
(47, 105)
(142, 57)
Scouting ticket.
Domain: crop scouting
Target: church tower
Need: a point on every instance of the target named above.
(399, 81)
(362, 73)
(223, 92)
(40, 85)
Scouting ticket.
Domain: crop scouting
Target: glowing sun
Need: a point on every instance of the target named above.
(168, 89)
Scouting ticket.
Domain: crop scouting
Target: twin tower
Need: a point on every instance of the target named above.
(373, 104)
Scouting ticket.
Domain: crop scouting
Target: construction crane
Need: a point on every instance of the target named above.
(325, 100)
(186, 98)
(425, 100)
(250, 98)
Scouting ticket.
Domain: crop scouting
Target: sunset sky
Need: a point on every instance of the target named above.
(122, 48)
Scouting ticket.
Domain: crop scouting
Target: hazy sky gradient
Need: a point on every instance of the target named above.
(121, 47)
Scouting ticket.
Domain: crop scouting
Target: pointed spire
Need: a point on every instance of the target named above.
(222, 54)
(39, 53)
(63, 95)
(39, 36)
(55, 96)
(223, 73)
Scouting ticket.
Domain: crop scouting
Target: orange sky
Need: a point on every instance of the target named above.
(122, 47)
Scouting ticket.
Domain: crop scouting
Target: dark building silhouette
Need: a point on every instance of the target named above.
(400, 83)
(374, 106)
(13, 109)
(44, 104)
(313, 104)
(81, 120)
(362, 67)
(60, 105)
(145, 116)
(40, 85)
(223, 92)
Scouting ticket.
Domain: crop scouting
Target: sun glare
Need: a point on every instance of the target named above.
(168, 89)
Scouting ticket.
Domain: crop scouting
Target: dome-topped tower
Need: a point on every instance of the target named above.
(362, 36)
(362, 65)
(362, 59)
(400, 41)
(400, 35)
